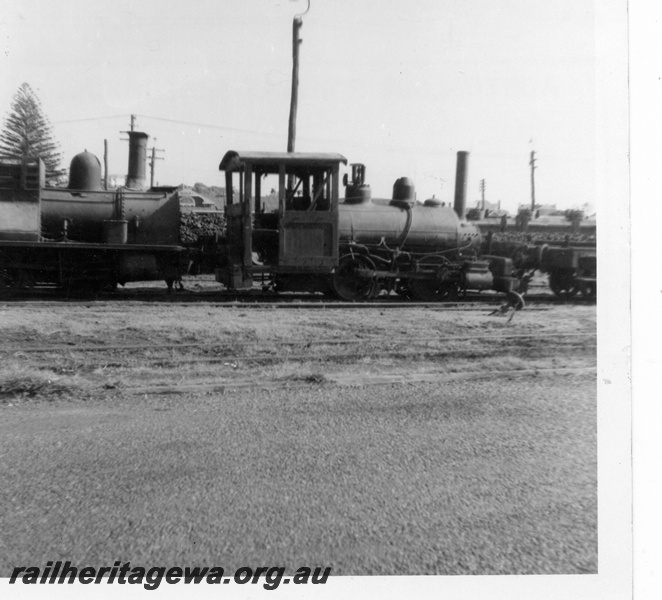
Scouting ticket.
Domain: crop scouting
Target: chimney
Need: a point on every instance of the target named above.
(137, 160)
(461, 184)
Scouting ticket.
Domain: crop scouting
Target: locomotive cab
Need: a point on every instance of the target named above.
(297, 240)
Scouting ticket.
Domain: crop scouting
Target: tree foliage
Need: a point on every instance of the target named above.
(27, 133)
(574, 215)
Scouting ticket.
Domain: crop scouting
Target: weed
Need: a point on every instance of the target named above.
(17, 382)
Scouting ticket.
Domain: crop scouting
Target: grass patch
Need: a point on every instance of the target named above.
(309, 378)
(21, 383)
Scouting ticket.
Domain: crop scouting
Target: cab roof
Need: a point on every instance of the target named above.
(235, 160)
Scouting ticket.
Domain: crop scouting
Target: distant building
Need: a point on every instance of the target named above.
(543, 210)
(487, 210)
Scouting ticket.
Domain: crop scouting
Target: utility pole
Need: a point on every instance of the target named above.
(296, 42)
(532, 162)
(482, 192)
(152, 163)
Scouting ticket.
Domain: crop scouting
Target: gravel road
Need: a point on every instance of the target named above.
(464, 477)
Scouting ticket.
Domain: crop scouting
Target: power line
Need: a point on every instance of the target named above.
(207, 125)
(90, 119)
(176, 121)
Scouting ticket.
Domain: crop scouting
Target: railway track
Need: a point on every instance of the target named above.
(298, 301)
(307, 343)
(241, 355)
(362, 381)
(120, 348)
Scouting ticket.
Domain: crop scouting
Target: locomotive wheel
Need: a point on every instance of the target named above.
(348, 284)
(563, 286)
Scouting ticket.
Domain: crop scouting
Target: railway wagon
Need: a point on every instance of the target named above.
(354, 248)
(571, 271)
(571, 266)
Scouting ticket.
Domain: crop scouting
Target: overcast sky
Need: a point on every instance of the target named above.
(399, 86)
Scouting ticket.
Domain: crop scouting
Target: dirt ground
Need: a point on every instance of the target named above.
(376, 441)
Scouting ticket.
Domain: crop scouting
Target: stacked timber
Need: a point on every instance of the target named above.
(515, 238)
(199, 227)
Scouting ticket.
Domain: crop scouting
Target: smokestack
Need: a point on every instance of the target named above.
(105, 164)
(460, 203)
(137, 159)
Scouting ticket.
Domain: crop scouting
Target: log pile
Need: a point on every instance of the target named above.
(542, 237)
(196, 227)
(511, 243)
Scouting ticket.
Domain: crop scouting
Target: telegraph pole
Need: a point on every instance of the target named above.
(532, 162)
(152, 163)
(296, 42)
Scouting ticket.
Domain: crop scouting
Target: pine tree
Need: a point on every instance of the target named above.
(27, 133)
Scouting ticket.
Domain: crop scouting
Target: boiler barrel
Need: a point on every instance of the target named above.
(153, 217)
(84, 213)
(430, 226)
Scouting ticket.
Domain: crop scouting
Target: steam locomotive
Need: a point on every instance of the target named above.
(355, 248)
(87, 236)
(84, 236)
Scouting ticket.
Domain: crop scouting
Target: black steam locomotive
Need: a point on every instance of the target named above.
(84, 236)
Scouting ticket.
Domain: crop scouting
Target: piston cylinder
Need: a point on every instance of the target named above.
(477, 276)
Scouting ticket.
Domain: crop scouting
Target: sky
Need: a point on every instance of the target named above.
(398, 86)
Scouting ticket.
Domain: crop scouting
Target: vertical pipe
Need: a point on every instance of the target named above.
(151, 167)
(460, 202)
(257, 192)
(105, 164)
(137, 159)
(532, 162)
